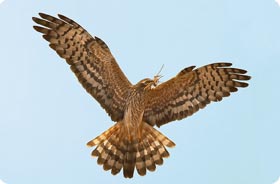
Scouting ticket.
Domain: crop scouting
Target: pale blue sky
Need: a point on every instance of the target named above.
(47, 117)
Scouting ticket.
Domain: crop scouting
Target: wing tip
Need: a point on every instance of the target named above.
(40, 29)
(37, 28)
(223, 64)
(244, 85)
(248, 77)
(42, 14)
(63, 17)
(36, 20)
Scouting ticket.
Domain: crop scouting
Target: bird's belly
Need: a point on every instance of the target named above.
(133, 123)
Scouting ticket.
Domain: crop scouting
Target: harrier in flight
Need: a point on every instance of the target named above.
(133, 142)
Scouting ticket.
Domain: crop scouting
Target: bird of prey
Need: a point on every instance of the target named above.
(133, 142)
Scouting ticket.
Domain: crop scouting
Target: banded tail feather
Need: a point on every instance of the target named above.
(115, 152)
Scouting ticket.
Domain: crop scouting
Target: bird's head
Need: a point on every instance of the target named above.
(147, 84)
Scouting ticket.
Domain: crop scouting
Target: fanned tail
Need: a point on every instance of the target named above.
(115, 151)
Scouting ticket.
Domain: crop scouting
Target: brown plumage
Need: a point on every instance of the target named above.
(133, 142)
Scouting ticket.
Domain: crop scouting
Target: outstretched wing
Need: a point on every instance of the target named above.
(90, 59)
(192, 90)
